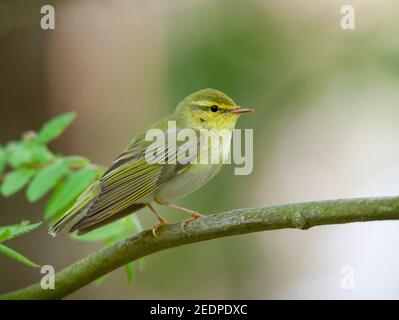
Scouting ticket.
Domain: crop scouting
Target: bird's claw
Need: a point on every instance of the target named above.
(184, 223)
(156, 227)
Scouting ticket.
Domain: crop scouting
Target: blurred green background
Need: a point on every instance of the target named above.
(326, 126)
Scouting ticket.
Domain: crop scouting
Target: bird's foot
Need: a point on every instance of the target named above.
(159, 225)
(194, 216)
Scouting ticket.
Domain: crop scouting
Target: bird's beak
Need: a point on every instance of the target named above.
(240, 110)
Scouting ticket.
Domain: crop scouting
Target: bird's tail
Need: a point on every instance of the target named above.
(78, 209)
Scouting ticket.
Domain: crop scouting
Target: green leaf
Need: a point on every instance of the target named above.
(76, 161)
(45, 180)
(53, 128)
(113, 232)
(27, 152)
(17, 256)
(18, 154)
(100, 280)
(3, 159)
(59, 213)
(142, 263)
(75, 183)
(15, 181)
(5, 235)
(107, 233)
(100, 171)
(10, 232)
(39, 153)
(136, 224)
(130, 270)
(19, 229)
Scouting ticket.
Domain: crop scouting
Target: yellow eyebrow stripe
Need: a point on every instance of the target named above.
(206, 103)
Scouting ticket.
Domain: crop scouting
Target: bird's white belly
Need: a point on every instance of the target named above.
(188, 181)
(192, 178)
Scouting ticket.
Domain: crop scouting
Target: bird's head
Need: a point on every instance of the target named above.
(210, 109)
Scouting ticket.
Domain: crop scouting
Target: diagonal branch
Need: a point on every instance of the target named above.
(238, 221)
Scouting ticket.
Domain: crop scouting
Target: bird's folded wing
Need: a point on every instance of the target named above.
(130, 179)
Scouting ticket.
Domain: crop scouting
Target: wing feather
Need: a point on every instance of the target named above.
(130, 179)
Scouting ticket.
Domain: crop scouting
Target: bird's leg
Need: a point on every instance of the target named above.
(194, 214)
(162, 221)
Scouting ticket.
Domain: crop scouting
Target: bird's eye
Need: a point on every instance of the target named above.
(214, 108)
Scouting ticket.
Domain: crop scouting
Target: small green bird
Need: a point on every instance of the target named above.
(132, 182)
